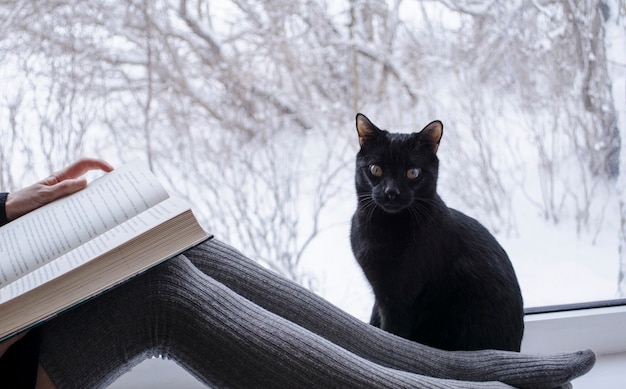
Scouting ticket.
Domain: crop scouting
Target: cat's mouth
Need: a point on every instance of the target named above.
(391, 206)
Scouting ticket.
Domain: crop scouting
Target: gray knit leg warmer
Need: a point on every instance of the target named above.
(300, 306)
(220, 337)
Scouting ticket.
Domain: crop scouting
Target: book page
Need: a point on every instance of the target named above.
(63, 225)
(96, 247)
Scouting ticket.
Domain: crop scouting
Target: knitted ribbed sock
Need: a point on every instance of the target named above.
(299, 305)
(220, 337)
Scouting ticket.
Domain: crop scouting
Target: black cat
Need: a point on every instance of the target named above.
(438, 276)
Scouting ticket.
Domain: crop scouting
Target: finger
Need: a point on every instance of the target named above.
(82, 166)
(77, 169)
(64, 188)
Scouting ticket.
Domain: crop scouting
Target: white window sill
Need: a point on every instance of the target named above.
(598, 326)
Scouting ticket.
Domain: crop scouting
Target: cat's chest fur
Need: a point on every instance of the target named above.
(438, 276)
(396, 255)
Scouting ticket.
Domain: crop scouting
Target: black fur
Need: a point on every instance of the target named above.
(438, 276)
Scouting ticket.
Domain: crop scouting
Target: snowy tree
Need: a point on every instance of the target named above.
(224, 112)
(248, 106)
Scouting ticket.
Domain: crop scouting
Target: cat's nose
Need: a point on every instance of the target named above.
(391, 192)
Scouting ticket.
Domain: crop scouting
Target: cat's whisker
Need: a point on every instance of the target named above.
(416, 213)
(419, 214)
(370, 207)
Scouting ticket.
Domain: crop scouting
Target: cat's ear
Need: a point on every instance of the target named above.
(365, 129)
(433, 133)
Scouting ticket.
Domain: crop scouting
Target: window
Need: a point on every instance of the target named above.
(250, 105)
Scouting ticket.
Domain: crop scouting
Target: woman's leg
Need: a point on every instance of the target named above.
(304, 308)
(225, 340)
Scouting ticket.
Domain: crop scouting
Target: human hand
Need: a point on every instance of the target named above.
(59, 184)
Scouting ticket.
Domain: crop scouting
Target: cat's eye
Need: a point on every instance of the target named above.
(412, 174)
(376, 170)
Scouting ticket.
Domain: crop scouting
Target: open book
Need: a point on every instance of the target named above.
(74, 248)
